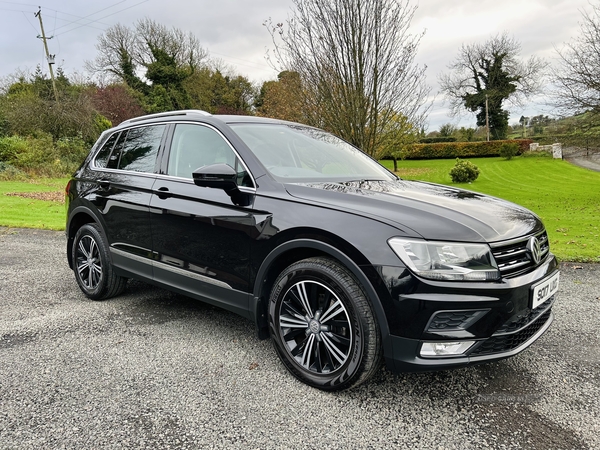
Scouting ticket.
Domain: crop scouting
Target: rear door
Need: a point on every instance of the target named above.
(126, 169)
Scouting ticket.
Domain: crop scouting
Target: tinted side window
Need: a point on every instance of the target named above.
(140, 148)
(195, 146)
(113, 160)
(101, 160)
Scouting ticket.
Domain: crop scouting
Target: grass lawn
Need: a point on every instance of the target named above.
(566, 197)
(27, 209)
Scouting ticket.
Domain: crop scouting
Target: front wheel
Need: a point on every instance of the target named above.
(323, 326)
(91, 265)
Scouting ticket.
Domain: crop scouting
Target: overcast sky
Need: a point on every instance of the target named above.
(232, 30)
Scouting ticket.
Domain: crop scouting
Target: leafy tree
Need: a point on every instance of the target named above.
(282, 98)
(395, 137)
(356, 63)
(491, 73)
(578, 72)
(216, 93)
(467, 134)
(447, 130)
(152, 60)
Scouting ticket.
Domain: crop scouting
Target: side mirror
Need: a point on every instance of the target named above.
(222, 176)
(219, 176)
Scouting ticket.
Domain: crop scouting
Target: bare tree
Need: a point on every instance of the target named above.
(577, 76)
(123, 51)
(492, 72)
(151, 59)
(356, 62)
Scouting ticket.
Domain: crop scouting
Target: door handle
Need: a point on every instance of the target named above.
(104, 185)
(163, 193)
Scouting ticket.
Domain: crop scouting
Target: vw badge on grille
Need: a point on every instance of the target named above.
(535, 249)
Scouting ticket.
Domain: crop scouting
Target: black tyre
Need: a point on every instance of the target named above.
(323, 326)
(92, 267)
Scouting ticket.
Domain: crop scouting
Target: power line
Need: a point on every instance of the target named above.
(89, 15)
(27, 19)
(103, 17)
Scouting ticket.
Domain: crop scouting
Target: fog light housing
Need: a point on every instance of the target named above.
(445, 348)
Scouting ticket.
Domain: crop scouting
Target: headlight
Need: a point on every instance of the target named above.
(447, 261)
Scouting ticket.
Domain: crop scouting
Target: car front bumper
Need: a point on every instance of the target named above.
(499, 319)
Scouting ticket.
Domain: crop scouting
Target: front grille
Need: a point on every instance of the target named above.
(507, 342)
(515, 258)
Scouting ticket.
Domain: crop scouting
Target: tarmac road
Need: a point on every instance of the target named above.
(155, 370)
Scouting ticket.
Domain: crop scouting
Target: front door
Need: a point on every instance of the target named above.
(201, 239)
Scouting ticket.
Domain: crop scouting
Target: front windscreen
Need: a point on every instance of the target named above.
(293, 153)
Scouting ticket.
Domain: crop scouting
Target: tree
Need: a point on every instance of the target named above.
(356, 63)
(282, 98)
(219, 93)
(447, 130)
(394, 139)
(577, 75)
(29, 108)
(116, 102)
(152, 60)
(490, 74)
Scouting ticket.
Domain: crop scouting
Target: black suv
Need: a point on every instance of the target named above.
(338, 260)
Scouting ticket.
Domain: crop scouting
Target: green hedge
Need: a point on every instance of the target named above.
(448, 150)
(434, 140)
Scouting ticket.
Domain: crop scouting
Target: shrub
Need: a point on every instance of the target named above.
(464, 172)
(9, 172)
(508, 150)
(41, 156)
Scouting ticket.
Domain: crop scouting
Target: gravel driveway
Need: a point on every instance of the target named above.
(155, 370)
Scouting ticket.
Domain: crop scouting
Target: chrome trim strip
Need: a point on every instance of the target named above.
(190, 274)
(170, 268)
(509, 254)
(182, 112)
(246, 189)
(120, 171)
(510, 266)
(133, 256)
(516, 240)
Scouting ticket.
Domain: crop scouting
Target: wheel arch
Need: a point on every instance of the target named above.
(77, 218)
(295, 250)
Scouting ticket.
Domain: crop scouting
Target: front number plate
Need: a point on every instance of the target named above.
(544, 290)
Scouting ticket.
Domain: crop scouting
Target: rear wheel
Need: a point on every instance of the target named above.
(323, 326)
(91, 265)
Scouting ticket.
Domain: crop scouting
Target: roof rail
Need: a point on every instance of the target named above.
(182, 112)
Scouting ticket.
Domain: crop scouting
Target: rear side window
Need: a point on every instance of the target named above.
(135, 149)
(103, 155)
(140, 148)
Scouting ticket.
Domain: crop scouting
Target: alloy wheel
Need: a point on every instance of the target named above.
(315, 327)
(88, 262)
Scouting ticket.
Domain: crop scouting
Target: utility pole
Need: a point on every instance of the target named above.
(48, 55)
(487, 118)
